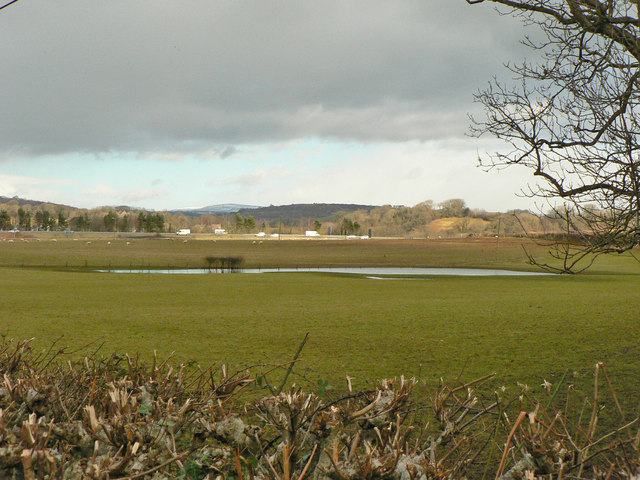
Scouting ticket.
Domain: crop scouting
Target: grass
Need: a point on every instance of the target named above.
(76, 252)
(525, 329)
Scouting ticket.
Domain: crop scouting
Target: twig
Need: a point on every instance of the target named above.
(596, 400)
(610, 434)
(519, 420)
(6, 5)
(613, 392)
(295, 359)
(493, 441)
(306, 467)
(156, 468)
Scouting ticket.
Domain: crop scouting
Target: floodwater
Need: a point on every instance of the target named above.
(464, 272)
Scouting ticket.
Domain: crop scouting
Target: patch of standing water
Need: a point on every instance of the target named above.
(464, 272)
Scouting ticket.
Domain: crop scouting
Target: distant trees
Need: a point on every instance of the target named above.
(51, 217)
(43, 220)
(24, 219)
(407, 219)
(5, 220)
(142, 221)
(124, 223)
(245, 223)
(349, 227)
(426, 219)
(38, 220)
(239, 222)
(81, 222)
(63, 222)
(455, 207)
(110, 221)
(151, 222)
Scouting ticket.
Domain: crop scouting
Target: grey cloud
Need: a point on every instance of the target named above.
(90, 76)
(226, 152)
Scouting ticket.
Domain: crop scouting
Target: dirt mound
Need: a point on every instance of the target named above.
(458, 224)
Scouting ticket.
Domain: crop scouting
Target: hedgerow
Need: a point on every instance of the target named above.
(115, 417)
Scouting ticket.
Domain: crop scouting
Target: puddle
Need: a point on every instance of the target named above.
(370, 272)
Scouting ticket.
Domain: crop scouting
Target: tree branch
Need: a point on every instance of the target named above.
(10, 3)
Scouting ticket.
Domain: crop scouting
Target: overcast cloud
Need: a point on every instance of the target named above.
(208, 79)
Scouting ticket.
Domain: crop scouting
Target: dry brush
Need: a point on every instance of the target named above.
(116, 418)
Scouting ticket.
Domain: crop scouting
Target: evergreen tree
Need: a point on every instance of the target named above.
(5, 220)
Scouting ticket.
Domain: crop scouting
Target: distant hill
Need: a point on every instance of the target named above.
(322, 211)
(221, 209)
(21, 202)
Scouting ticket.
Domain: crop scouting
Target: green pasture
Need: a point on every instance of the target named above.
(522, 328)
(100, 251)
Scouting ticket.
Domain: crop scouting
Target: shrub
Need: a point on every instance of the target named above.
(114, 417)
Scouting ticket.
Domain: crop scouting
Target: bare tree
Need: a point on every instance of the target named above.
(573, 119)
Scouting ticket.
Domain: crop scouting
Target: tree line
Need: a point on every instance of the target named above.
(449, 218)
(65, 218)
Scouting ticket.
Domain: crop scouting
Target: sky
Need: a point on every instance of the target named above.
(165, 104)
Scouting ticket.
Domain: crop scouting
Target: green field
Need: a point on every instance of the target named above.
(524, 328)
(99, 251)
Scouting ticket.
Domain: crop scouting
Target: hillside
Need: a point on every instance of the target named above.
(21, 202)
(322, 211)
(220, 209)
